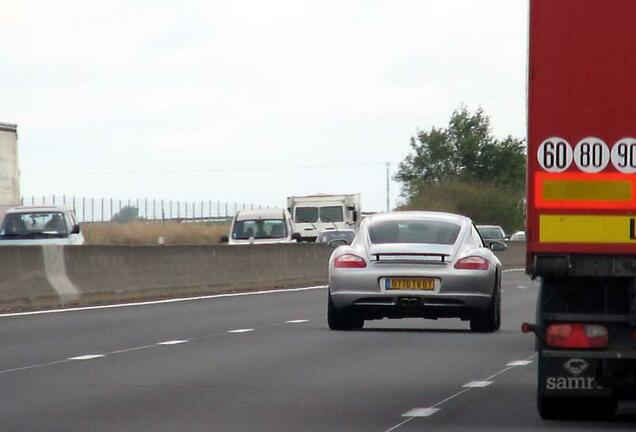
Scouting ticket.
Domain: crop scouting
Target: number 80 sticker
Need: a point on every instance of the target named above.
(591, 155)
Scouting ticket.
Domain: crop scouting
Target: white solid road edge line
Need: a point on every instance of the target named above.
(296, 321)
(154, 302)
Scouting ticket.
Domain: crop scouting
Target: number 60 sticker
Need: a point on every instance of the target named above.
(555, 155)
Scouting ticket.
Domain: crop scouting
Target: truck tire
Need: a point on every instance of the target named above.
(490, 320)
(339, 319)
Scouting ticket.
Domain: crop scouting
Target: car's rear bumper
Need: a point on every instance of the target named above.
(405, 305)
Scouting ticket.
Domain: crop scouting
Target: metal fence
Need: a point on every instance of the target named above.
(91, 210)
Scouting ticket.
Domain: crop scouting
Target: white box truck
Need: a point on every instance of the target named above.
(315, 213)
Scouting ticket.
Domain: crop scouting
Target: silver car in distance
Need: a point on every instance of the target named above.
(415, 264)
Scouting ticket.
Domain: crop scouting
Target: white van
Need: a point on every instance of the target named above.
(262, 227)
(313, 214)
(25, 226)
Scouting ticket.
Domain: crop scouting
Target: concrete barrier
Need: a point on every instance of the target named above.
(54, 276)
(514, 257)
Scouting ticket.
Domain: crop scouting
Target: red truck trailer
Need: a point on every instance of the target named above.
(581, 202)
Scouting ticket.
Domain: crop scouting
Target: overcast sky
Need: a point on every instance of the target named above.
(168, 99)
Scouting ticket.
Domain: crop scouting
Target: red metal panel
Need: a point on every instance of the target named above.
(581, 83)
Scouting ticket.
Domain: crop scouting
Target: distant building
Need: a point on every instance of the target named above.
(9, 174)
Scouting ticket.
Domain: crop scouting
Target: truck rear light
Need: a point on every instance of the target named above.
(349, 261)
(472, 263)
(634, 335)
(577, 335)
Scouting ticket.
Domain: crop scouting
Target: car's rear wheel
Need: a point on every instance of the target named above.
(489, 320)
(341, 319)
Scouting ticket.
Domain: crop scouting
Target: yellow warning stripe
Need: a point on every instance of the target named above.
(587, 190)
(587, 229)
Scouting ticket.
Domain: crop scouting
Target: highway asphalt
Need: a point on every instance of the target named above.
(267, 362)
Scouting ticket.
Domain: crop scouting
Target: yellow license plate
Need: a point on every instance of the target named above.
(409, 284)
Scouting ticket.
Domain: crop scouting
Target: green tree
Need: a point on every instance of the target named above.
(463, 168)
(126, 214)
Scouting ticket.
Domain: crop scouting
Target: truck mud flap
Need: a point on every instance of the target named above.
(573, 377)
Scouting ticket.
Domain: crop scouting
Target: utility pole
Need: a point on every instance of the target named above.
(388, 207)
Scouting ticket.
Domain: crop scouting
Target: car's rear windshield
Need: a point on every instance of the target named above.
(490, 233)
(259, 229)
(413, 231)
(34, 225)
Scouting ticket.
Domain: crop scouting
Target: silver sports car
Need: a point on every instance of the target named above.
(415, 264)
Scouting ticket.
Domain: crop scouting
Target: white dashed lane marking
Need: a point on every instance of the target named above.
(477, 384)
(427, 412)
(245, 330)
(172, 342)
(519, 363)
(144, 347)
(86, 357)
(420, 412)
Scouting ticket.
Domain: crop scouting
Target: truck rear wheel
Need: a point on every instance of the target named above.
(340, 319)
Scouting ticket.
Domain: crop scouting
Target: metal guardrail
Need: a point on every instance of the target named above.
(93, 210)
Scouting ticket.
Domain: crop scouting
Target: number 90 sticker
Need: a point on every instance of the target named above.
(555, 155)
(591, 155)
(624, 155)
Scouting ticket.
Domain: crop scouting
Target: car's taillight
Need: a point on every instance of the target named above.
(472, 263)
(577, 335)
(349, 261)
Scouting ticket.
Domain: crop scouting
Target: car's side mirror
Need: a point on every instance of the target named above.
(296, 236)
(336, 243)
(76, 229)
(224, 239)
(355, 215)
(498, 246)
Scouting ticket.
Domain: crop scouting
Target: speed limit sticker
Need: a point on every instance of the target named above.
(624, 155)
(591, 155)
(555, 155)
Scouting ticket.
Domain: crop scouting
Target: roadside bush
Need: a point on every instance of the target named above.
(484, 203)
(147, 233)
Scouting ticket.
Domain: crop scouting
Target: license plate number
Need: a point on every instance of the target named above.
(410, 284)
